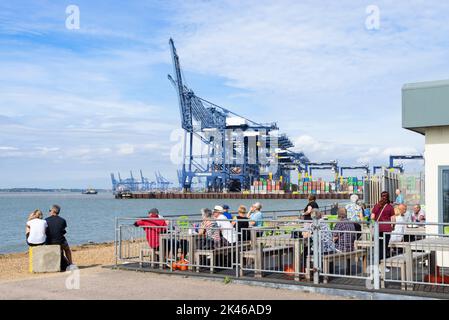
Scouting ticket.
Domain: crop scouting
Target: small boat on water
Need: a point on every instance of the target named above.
(90, 191)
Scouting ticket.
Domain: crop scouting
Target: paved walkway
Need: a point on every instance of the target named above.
(99, 283)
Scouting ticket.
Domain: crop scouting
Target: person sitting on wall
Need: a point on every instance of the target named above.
(36, 229)
(56, 231)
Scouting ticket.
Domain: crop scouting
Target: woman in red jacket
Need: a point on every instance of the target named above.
(383, 211)
(152, 227)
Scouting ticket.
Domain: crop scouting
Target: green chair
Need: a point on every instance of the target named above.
(183, 222)
(333, 217)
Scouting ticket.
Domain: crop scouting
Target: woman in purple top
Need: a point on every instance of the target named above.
(383, 211)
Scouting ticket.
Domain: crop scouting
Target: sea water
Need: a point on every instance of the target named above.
(91, 218)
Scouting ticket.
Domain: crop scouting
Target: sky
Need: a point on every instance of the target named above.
(78, 104)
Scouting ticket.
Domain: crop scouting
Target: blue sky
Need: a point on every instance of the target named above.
(76, 105)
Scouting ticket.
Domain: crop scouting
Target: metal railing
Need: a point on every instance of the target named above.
(414, 254)
(313, 250)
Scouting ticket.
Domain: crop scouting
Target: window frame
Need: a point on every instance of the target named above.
(441, 170)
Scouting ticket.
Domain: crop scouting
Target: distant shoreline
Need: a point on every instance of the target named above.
(60, 190)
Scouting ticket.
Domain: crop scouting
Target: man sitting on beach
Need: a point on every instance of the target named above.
(56, 235)
(153, 227)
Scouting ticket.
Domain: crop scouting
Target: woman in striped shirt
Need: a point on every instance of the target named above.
(210, 230)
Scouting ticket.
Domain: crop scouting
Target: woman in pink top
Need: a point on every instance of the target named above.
(383, 211)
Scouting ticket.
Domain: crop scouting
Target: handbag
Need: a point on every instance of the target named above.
(377, 220)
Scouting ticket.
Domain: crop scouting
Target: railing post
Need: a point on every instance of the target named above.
(316, 254)
(115, 240)
(237, 251)
(376, 257)
(119, 242)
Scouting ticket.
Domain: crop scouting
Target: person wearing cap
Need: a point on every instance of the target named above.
(225, 226)
(153, 227)
(226, 212)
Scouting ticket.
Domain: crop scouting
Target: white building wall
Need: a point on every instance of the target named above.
(436, 154)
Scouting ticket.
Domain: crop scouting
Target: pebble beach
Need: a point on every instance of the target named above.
(14, 266)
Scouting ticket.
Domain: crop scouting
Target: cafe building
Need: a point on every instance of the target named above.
(425, 110)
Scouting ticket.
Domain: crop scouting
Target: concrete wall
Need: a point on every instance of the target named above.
(45, 259)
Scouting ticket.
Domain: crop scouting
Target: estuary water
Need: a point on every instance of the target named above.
(91, 218)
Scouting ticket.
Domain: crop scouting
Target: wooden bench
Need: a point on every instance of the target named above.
(345, 256)
(252, 255)
(400, 261)
(212, 253)
(146, 251)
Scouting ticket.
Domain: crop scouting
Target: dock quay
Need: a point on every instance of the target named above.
(217, 195)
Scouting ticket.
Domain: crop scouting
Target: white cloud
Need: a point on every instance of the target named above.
(308, 144)
(292, 46)
(125, 149)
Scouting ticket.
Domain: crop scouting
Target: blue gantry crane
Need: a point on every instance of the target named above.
(362, 168)
(132, 184)
(399, 167)
(331, 165)
(404, 157)
(239, 150)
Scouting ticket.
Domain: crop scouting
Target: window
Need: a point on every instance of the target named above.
(444, 194)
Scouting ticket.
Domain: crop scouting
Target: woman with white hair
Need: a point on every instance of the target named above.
(355, 211)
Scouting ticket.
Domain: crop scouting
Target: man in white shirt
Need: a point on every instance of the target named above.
(226, 228)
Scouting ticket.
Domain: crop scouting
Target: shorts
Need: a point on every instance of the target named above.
(64, 244)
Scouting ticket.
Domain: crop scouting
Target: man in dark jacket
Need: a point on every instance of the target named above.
(56, 235)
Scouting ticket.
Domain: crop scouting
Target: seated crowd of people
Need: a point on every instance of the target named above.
(219, 228)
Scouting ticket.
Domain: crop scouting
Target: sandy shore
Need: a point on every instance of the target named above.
(15, 265)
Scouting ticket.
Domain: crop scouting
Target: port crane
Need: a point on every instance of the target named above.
(404, 157)
(399, 167)
(239, 150)
(364, 168)
(331, 165)
(162, 183)
(132, 184)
